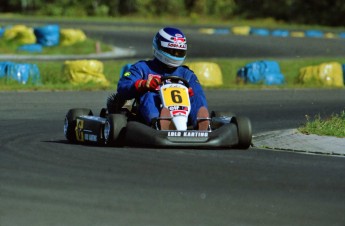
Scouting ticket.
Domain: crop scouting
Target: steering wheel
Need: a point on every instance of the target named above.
(175, 79)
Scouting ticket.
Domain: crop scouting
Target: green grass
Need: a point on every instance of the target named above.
(86, 47)
(331, 126)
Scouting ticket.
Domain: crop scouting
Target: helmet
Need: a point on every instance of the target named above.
(170, 46)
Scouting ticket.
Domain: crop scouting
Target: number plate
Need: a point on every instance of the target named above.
(175, 96)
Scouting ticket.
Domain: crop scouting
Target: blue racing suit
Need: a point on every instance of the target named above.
(149, 106)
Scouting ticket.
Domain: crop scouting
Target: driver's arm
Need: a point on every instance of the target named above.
(126, 85)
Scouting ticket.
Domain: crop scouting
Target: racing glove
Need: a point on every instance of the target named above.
(151, 84)
(190, 91)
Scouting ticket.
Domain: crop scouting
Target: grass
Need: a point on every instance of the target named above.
(331, 126)
(86, 47)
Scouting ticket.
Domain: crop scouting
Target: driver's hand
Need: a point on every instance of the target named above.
(151, 84)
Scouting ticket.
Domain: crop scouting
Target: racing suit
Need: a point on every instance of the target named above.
(149, 106)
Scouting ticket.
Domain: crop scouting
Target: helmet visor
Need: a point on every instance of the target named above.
(174, 52)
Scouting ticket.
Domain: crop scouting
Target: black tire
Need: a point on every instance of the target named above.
(115, 103)
(222, 113)
(70, 122)
(244, 129)
(114, 129)
(216, 118)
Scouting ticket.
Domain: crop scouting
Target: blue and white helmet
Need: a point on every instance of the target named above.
(170, 46)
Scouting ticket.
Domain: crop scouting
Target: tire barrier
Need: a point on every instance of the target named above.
(20, 33)
(329, 74)
(23, 73)
(325, 74)
(34, 39)
(247, 30)
(71, 36)
(261, 72)
(85, 71)
(48, 35)
(209, 74)
(2, 31)
(280, 33)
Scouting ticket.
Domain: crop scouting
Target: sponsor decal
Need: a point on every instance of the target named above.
(187, 134)
(195, 134)
(174, 134)
(179, 38)
(127, 74)
(90, 137)
(179, 112)
(177, 45)
(174, 45)
(179, 42)
(176, 108)
(79, 135)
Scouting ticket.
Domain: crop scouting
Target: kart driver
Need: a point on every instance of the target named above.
(144, 77)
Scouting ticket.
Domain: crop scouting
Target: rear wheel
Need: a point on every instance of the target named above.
(70, 122)
(114, 129)
(244, 130)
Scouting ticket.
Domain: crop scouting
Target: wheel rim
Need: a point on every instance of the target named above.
(65, 126)
(106, 130)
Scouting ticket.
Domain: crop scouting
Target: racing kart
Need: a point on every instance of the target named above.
(125, 127)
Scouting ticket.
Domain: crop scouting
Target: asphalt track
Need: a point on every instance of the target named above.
(46, 181)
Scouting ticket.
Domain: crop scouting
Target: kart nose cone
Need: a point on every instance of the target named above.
(180, 122)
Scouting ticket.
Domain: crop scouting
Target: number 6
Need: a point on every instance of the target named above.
(176, 98)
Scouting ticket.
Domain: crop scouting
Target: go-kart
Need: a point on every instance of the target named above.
(125, 127)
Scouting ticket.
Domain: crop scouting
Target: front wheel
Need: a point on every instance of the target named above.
(222, 114)
(219, 118)
(114, 129)
(244, 130)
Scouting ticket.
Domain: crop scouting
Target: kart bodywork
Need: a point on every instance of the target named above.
(81, 126)
(126, 128)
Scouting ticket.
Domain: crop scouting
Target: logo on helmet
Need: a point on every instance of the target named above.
(178, 38)
(178, 42)
(176, 45)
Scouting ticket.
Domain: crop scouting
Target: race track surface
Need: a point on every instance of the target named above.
(44, 180)
(47, 181)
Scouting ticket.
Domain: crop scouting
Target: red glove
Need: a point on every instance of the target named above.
(151, 84)
(190, 92)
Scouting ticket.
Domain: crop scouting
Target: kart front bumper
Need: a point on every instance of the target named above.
(138, 134)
